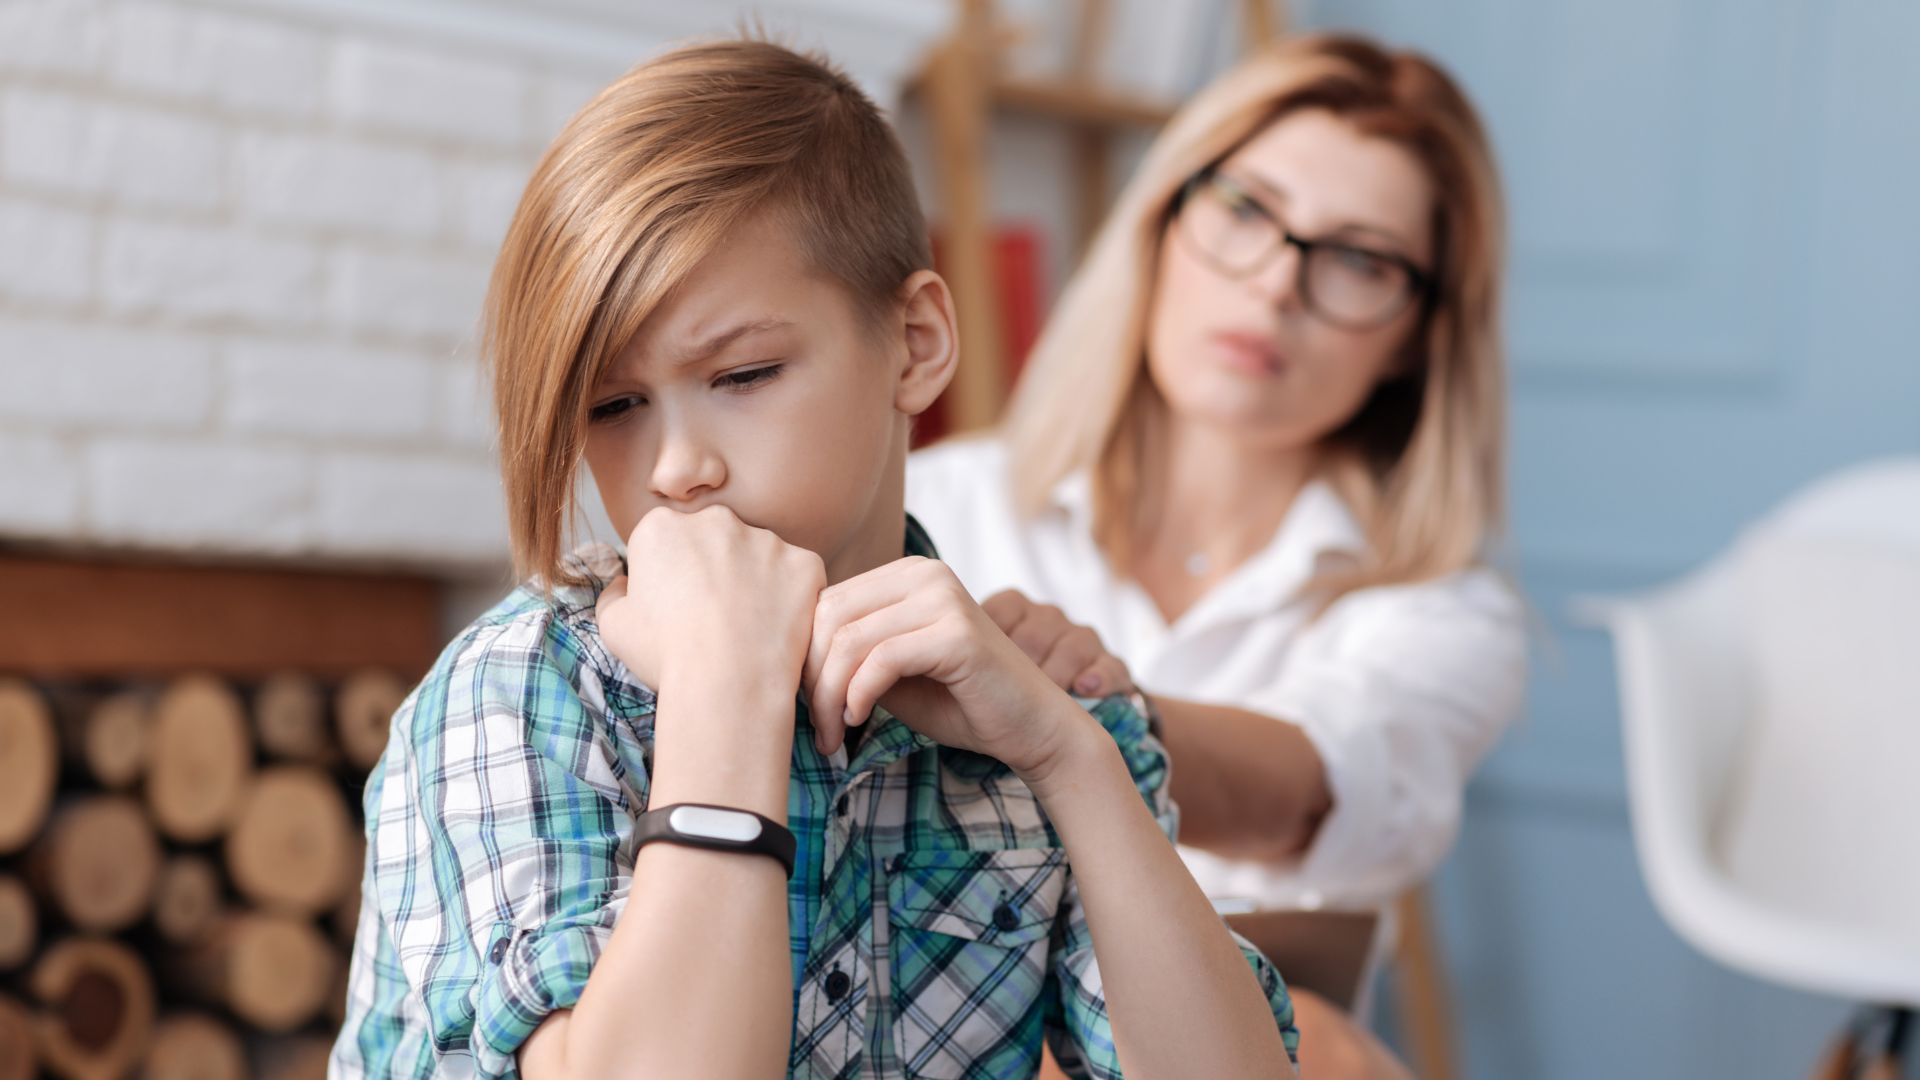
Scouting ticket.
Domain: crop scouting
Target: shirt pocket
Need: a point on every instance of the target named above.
(970, 938)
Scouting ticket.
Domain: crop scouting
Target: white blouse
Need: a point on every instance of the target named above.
(1402, 689)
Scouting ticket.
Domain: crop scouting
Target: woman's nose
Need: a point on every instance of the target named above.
(1278, 282)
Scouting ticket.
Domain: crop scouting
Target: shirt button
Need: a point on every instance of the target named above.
(838, 983)
(1006, 918)
(499, 951)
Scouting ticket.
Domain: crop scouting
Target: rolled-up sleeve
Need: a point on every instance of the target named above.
(1402, 694)
(501, 845)
(1080, 1031)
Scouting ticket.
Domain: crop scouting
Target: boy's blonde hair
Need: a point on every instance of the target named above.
(640, 185)
(1421, 462)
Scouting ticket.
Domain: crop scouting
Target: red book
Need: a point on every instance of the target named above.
(1017, 251)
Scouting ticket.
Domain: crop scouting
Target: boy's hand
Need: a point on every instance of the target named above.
(908, 636)
(1070, 654)
(711, 597)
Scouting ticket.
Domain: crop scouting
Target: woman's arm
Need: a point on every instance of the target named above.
(1249, 786)
(1386, 727)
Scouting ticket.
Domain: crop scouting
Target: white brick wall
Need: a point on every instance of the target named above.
(243, 65)
(415, 296)
(41, 495)
(557, 97)
(50, 36)
(303, 181)
(198, 493)
(209, 274)
(411, 91)
(330, 392)
(481, 199)
(243, 247)
(46, 253)
(382, 502)
(141, 158)
(78, 377)
(463, 414)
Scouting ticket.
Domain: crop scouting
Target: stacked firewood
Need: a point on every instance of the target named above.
(179, 872)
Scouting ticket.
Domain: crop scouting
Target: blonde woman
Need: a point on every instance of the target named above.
(1256, 458)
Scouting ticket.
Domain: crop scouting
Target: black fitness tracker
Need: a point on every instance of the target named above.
(717, 828)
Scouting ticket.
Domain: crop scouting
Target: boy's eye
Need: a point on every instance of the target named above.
(748, 378)
(613, 410)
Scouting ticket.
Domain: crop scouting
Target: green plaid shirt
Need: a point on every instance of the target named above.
(936, 929)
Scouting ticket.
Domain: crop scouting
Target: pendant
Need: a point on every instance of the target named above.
(1198, 564)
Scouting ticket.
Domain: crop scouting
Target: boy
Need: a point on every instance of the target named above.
(765, 795)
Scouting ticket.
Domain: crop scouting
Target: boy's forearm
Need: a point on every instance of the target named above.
(1182, 998)
(695, 979)
(724, 738)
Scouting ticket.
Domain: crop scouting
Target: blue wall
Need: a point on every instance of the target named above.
(1715, 297)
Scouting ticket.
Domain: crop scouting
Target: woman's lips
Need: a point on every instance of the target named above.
(1253, 354)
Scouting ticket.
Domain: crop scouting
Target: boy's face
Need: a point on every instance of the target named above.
(760, 386)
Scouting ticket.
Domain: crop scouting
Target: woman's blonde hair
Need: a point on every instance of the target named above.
(1420, 463)
(640, 185)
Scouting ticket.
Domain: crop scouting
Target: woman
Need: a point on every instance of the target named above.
(1257, 457)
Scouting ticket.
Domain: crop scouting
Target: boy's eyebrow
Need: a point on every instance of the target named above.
(701, 350)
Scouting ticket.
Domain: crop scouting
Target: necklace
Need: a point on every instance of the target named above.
(1198, 564)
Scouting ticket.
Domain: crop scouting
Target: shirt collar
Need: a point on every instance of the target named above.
(1318, 527)
(918, 541)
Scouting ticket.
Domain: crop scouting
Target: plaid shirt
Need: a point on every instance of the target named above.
(936, 929)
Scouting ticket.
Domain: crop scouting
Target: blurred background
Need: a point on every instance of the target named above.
(247, 487)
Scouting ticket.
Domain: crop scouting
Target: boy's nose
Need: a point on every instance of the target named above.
(686, 468)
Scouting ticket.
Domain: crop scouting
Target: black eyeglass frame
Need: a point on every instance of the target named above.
(1421, 284)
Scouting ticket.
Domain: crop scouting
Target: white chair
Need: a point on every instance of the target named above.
(1771, 710)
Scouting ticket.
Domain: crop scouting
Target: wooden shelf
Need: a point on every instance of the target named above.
(962, 85)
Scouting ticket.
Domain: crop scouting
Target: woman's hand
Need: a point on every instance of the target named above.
(1070, 654)
(907, 636)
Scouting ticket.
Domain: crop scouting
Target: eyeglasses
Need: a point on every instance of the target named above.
(1347, 285)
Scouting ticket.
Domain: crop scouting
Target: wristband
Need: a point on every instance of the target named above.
(717, 828)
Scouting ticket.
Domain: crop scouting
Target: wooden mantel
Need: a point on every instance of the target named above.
(67, 617)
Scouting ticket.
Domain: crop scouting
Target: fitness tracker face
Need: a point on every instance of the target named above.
(718, 828)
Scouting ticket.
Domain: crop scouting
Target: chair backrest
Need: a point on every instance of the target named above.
(1874, 502)
(1686, 699)
(1769, 713)
(1824, 801)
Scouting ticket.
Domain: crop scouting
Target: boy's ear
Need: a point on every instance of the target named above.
(932, 342)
